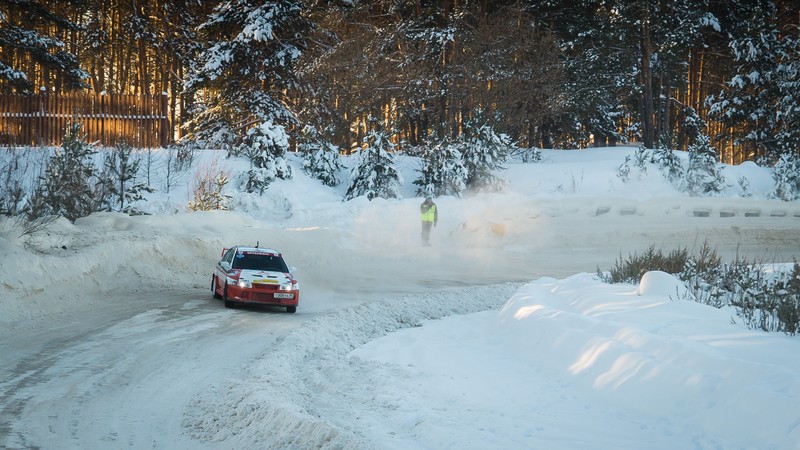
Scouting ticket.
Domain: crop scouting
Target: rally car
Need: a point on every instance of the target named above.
(254, 275)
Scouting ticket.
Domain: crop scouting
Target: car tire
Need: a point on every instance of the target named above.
(291, 309)
(214, 288)
(228, 303)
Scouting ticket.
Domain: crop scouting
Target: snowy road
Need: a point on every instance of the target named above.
(99, 382)
(122, 373)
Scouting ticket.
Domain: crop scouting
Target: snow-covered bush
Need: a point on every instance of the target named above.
(12, 196)
(703, 176)
(744, 186)
(13, 171)
(527, 155)
(375, 174)
(786, 174)
(443, 171)
(624, 170)
(265, 147)
(67, 187)
(642, 157)
(631, 269)
(769, 301)
(669, 164)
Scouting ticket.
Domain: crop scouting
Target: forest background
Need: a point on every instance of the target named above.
(546, 73)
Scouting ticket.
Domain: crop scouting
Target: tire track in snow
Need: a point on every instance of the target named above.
(278, 405)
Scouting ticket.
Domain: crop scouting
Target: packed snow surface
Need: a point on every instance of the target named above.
(500, 335)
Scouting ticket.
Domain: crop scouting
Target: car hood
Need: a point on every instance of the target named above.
(265, 277)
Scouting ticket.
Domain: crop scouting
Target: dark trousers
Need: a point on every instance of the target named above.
(426, 232)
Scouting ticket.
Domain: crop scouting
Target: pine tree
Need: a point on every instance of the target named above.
(14, 171)
(321, 161)
(596, 54)
(484, 152)
(46, 52)
(624, 60)
(265, 146)
(704, 174)
(68, 185)
(669, 163)
(11, 197)
(787, 178)
(759, 102)
(118, 185)
(375, 175)
(246, 68)
(443, 171)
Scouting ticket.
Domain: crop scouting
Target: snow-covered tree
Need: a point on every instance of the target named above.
(759, 102)
(443, 171)
(67, 187)
(118, 186)
(246, 68)
(704, 174)
(375, 175)
(623, 58)
(787, 177)
(46, 52)
(322, 163)
(484, 152)
(265, 146)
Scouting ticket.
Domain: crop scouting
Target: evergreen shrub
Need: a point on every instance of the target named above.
(762, 299)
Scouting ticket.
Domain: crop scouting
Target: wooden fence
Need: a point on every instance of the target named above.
(108, 119)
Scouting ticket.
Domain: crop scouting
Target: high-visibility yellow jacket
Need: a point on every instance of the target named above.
(429, 212)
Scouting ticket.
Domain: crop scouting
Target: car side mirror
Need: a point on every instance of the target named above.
(225, 265)
(292, 269)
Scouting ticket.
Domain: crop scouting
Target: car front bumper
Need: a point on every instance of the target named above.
(263, 296)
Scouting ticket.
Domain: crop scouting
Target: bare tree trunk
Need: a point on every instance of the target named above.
(646, 81)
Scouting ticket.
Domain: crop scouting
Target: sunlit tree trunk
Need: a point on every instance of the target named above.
(646, 80)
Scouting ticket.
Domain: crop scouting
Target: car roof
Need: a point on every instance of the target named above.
(244, 248)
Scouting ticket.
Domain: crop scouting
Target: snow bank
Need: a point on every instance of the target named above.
(661, 284)
(67, 268)
(576, 363)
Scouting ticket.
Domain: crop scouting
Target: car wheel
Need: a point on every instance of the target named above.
(291, 309)
(214, 288)
(228, 303)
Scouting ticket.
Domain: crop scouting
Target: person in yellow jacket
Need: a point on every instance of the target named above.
(430, 216)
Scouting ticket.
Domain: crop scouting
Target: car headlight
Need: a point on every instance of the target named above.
(289, 286)
(244, 284)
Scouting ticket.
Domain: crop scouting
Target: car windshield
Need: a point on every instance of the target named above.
(259, 261)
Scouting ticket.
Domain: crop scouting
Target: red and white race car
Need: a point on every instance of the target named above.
(254, 275)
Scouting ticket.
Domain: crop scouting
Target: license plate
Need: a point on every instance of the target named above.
(283, 295)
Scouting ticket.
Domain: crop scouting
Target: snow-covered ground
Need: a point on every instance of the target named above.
(498, 336)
